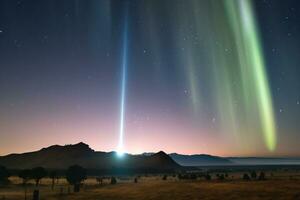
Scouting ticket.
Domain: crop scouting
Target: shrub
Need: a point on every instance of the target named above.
(221, 177)
(208, 177)
(164, 177)
(246, 177)
(193, 177)
(187, 176)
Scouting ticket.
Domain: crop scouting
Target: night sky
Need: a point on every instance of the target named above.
(185, 76)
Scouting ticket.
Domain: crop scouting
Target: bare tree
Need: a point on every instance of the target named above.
(53, 175)
(25, 175)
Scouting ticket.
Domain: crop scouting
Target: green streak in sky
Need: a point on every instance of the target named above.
(252, 65)
(220, 54)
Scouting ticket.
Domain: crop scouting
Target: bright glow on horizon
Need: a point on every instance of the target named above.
(120, 153)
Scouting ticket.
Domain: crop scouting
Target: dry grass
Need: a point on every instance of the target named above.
(153, 188)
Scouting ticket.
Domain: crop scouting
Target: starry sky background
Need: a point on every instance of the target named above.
(60, 76)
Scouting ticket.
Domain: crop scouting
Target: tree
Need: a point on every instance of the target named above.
(253, 175)
(226, 175)
(25, 175)
(53, 175)
(113, 180)
(179, 176)
(75, 175)
(246, 177)
(165, 177)
(262, 176)
(207, 177)
(99, 180)
(37, 174)
(4, 174)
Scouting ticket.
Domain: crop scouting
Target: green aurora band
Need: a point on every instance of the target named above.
(252, 63)
(228, 61)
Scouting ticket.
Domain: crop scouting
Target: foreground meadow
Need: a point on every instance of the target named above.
(154, 188)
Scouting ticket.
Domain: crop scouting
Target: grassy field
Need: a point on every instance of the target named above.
(282, 186)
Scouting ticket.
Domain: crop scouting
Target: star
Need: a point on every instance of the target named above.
(17, 43)
(213, 120)
(280, 110)
(45, 37)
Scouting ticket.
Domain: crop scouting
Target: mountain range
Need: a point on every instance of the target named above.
(61, 157)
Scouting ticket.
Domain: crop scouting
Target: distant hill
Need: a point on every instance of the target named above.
(264, 161)
(199, 160)
(61, 157)
(209, 160)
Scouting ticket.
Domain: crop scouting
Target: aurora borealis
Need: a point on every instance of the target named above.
(194, 76)
(252, 67)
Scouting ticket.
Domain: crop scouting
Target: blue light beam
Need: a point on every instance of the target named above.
(120, 150)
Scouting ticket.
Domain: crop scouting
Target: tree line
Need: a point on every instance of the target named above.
(74, 175)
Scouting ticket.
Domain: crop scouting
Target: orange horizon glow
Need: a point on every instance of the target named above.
(150, 134)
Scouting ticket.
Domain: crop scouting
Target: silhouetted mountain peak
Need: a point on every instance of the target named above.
(161, 154)
(61, 157)
(163, 159)
(79, 147)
